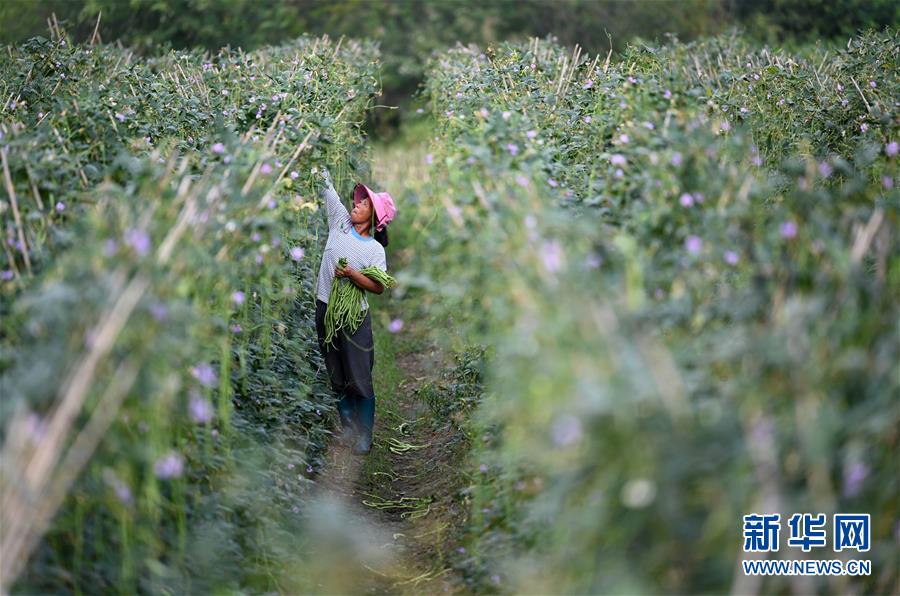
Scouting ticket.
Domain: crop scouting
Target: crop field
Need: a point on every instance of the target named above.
(638, 295)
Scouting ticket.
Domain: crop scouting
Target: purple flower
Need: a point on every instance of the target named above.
(218, 148)
(686, 199)
(120, 117)
(649, 125)
(854, 476)
(512, 148)
(294, 175)
(138, 240)
(35, 427)
(618, 173)
(205, 374)
(873, 84)
(693, 244)
(309, 469)
(290, 466)
(235, 328)
(506, 115)
(788, 229)
(7, 274)
(169, 466)
(159, 311)
(863, 127)
(531, 134)
(676, 159)
(552, 255)
(887, 182)
(731, 257)
(698, 197)
(420, 111)
(552, 182)
(588, 84)
(587, 119)
(238, 297)
(725, 126)
(471, 159)
(624, 138)
(266, 168)
(271, 204)
(122, 491)
(201, 410)
(667, 94)
(484, 112)
(632, 80)
(110, 247)
(891, 149)
(395, 325)
(617, 159)
(522, 181)
(825, 169)
(461, 549)
(297, 253)
(565, 430)
(60, 206)
(429, 159)
(483, 468)
(256, 237)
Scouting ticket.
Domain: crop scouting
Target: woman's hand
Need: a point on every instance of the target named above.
(347, 271)
(326, 176)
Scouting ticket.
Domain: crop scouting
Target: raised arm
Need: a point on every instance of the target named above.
(335, 209)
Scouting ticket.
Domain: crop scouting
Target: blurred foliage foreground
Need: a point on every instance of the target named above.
(160, 241)
(686, 264)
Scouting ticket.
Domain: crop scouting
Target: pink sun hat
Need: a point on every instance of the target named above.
(381, 201)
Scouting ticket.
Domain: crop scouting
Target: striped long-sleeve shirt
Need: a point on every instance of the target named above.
(345, 241)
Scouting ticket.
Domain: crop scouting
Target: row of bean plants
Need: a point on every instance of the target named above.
(164, 403)
(686, 262)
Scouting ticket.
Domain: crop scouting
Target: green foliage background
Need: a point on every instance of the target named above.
(410, 30)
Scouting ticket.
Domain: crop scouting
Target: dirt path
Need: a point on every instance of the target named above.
(398, 500)
(394, 511)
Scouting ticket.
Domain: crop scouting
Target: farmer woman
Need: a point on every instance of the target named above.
(360, 236)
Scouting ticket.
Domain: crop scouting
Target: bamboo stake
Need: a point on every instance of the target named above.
(34, 189)
(15, 207)
(868, 107)
(95, 37)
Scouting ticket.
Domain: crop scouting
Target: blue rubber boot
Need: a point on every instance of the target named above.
(348, 425)
(365, 423)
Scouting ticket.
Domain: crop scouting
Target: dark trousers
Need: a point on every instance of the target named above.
(351, 358)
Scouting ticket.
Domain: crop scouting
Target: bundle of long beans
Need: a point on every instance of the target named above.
(345, 301)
